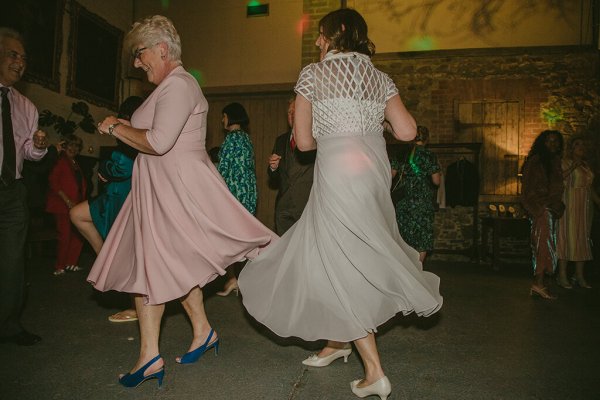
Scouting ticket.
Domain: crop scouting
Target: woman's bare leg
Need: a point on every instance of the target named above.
(367, 348)
(193, 304)
(82, 219)
(538, 280)
(579, 275)
(331, 347)
(149, 320)
(562, 274)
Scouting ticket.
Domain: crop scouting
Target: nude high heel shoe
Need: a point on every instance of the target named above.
(230, 287)
(381, 388)
(542, 292)
(316, 361)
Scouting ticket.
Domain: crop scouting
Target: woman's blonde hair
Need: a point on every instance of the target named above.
(153, 30)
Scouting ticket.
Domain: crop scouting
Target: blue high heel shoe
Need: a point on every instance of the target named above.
(137, 378)
(194, 355)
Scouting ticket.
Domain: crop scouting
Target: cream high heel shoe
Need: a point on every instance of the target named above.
(316, 361)
(381, 388)
(230, 286)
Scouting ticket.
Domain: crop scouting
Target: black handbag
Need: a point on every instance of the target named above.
(398, 191)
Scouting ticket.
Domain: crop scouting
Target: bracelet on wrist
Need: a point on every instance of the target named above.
(111, 128)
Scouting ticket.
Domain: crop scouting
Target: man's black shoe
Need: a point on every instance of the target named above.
(22, 338)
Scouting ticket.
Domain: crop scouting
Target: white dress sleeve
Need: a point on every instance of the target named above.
(391, 90)
(304, 86)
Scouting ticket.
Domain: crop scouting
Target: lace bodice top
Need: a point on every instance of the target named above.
(348, 95)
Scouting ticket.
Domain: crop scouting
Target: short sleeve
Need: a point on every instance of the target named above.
(429, 162)
(390, 88)
(304, 86)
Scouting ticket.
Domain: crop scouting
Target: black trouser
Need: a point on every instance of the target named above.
(14, 221)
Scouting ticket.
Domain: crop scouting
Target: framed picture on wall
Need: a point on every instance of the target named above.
(95, 58)
(40, 23)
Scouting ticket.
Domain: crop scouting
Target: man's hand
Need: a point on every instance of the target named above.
(274, 161)
(40, 140)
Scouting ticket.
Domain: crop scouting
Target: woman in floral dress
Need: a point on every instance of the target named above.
(420, 175)
(236, 165)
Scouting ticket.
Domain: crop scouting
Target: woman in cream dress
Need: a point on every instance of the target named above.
(343, 269)
(574, 228)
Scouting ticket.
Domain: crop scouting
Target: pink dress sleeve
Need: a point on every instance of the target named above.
(174, 105)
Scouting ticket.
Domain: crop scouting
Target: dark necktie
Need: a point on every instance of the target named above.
(9, 158)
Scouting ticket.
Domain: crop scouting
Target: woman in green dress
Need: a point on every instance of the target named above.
(236, 165)
(420, 177)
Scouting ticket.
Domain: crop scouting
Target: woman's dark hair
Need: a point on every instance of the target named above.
(128, 107)
(570, 146)
(539, 148)
(126, 149)
(73, 139)
(236, 114)
(346, 30)
(126, 110)
(214, 154)
(422, 134)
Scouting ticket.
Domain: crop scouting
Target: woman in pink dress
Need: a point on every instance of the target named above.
(180, 227)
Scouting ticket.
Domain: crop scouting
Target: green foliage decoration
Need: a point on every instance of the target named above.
(65, 126)
(552, 115)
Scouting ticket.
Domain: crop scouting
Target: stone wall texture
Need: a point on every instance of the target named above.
(561, 81)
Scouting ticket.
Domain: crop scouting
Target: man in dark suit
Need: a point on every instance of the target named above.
(290, 171)
(20, 140)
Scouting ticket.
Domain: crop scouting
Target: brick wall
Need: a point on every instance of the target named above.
(565, 79)
(314, 10)
(561, 78)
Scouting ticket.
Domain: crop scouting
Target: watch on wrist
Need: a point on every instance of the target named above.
(111, 128)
